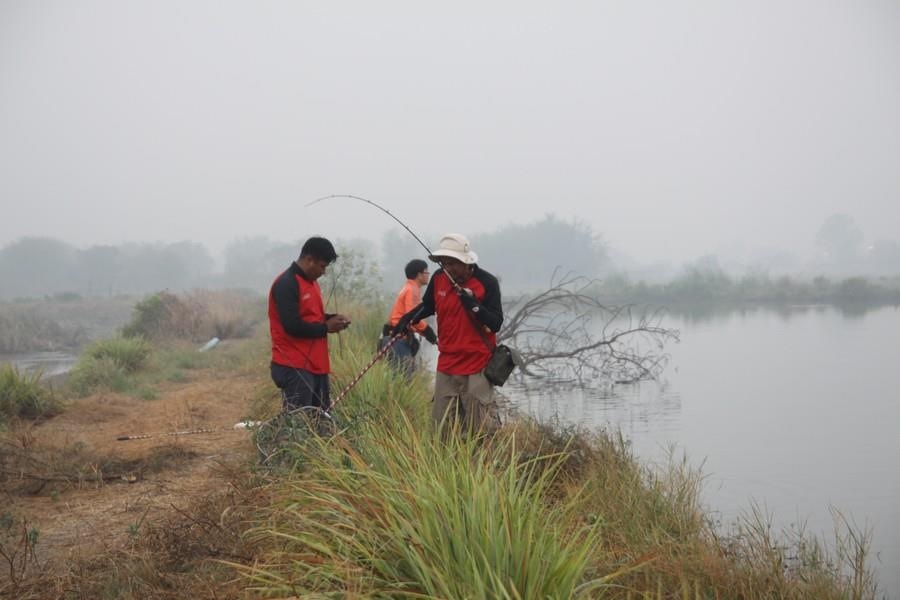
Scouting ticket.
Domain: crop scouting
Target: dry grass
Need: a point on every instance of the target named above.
(196, 316)
(32, 465)
(180, 553)
(148, 518)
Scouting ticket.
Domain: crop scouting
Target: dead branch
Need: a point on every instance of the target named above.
(567, 335)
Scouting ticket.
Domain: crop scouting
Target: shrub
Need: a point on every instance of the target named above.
(108, 364)
(227, 314)
(23, 396)
(130, 354)
(23, 330)
(90, 374)
(196, 316)
(163, 315)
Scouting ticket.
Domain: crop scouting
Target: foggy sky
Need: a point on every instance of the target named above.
(675, 129)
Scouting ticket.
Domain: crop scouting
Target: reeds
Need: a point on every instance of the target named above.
(22, 395)
(196, 316)
(401, 513)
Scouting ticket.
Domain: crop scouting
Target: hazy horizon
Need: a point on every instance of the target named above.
(673, 130)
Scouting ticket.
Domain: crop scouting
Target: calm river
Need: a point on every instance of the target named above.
(48, 363)
(795, 409)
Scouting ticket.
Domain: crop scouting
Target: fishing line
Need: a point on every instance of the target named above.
(333, 296)
(379, 207)
(394, 217)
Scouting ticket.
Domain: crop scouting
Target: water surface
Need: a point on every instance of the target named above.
(796, 409)
(49, 363)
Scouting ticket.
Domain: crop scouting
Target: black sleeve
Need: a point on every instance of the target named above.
(490, 311)
(427, 305)
(424, 309)
(286, 295)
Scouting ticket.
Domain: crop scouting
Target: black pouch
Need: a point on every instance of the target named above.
(501, 365)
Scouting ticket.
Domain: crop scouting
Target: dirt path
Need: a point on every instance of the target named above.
(145, 481)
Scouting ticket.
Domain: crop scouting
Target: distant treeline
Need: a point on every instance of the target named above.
(711, 285)
(523, 255)
(524, 258)
(37, 267)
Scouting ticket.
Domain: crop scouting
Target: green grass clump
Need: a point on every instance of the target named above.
(91, 374)
(130, 354)
(24, 396)
(109, 364)
(405, 514)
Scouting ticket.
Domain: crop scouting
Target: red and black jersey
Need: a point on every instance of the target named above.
(297, 323)
(462, 350)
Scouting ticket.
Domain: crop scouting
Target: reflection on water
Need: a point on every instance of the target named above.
(49, 363)
(634, 409)
(793, 407)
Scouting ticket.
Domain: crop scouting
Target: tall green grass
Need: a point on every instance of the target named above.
(403, 514)
(22, 395)
(386, 510)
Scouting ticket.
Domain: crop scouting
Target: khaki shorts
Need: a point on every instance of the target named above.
(465, 401)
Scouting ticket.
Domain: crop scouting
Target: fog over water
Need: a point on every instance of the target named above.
(673, 129)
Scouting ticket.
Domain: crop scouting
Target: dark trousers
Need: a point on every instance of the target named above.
(301, 388)
(402, 354)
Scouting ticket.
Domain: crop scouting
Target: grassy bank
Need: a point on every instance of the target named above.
(387, 509)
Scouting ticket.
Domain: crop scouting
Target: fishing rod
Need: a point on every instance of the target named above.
(379, 207)
(394, 339)
(144, 436)
(456, 286)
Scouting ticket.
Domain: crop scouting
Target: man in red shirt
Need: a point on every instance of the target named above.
(299, 328)
(466, 300)
(403, 353)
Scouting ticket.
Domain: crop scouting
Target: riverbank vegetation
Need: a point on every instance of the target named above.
(388, 508)
(60, 322)
(24, 396)
(706, 285)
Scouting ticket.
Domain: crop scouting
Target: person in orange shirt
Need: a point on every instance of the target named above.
(403, 353)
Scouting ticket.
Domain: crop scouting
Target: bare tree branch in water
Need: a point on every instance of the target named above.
(566, 335)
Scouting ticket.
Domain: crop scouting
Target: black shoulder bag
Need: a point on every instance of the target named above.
(503, 358)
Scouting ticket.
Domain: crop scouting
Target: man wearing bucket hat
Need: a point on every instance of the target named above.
(466, 301)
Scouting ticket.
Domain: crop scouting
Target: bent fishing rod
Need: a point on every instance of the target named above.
(456, 286)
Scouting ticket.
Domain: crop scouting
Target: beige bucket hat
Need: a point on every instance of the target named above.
(455, 245)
